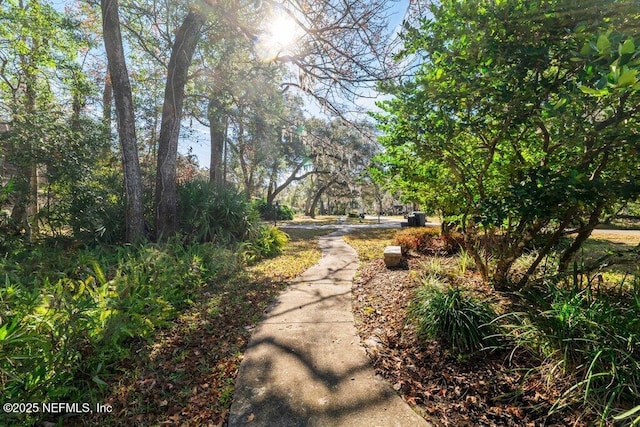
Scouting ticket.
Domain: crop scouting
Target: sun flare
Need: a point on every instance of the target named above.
(280, 36)
(283, 31)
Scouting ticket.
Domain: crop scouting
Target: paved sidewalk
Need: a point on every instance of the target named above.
(304, 365)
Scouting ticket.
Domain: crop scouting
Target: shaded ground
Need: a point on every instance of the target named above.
(187, 375)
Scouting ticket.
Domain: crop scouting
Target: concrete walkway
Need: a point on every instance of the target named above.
(304, 365)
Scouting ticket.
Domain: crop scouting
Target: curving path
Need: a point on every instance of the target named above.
(304, 365)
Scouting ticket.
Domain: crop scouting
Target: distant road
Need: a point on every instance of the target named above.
(603, 231)
(394, 221)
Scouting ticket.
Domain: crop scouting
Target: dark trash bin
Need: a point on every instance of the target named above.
(421, 219)
(411, 219)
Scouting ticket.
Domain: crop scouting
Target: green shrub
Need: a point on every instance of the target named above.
(215, 214)
(285, 213)
(456, 319)
(266, 210)
(268, 243)
(63, 330)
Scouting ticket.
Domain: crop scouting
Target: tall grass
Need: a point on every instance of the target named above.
(460, 321)
(593, 335)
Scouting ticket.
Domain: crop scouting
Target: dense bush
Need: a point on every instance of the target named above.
(96, 208)
(458, 320)
(266, 210)
(268, 243)
(415, 238)
(208, 213)
(67, 319)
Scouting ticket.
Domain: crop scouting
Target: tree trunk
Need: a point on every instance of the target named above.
(78, 103)
(25, 208)
(19, 215)
(481, 264)
(511, 255)
(245, 166)
(316, 198)
(445, 228)
(308, 197)
(107, 100)
(275, 189)
(166, 194)
(583, 235)
(225, 150)
(551, 243)
(134, 216)
(32, 207)
(217, 127)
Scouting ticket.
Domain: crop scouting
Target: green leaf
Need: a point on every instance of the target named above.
(628, 47)
(603, 44)
(592, 91)
(627, 78)
(628, 414)
(560, 103)
(586, 49)
(98, 381)
(3, 332)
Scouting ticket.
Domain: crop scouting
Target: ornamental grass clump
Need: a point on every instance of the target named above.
(455, 318)
(592, 335)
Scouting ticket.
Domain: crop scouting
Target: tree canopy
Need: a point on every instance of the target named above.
(521, 122)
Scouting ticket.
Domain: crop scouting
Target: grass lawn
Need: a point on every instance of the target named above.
(339, 219)
(370, 242)
(617, 247)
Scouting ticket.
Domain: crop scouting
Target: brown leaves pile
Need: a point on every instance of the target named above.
(488, 389)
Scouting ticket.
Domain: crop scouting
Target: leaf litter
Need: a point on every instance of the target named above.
(485, 389)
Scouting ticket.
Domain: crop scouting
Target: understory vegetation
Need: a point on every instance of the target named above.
(74, 313)
(573, 341)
